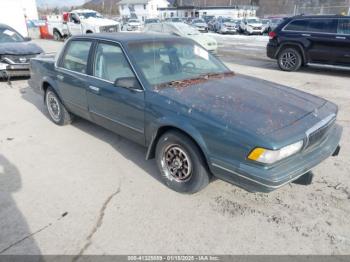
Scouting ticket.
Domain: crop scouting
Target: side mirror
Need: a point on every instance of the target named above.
(128, 82)
(27, 39)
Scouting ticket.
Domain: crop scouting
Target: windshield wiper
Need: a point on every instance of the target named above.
(192, 81)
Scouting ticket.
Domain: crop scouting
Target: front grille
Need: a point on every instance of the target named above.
(257, 28)
(109, 29)
(317, 136)
(19, 59)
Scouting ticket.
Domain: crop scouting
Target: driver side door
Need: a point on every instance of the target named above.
(74, 24)
(118, 108)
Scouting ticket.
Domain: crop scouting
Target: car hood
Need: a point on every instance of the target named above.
(240, 102)
(200, 24)
(256, 24)
(93, 21)
(20, 48)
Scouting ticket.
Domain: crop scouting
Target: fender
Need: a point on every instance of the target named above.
(291, 43)
(52, 83)
(153, 132)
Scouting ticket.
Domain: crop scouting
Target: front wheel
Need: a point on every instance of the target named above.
(289, 60)
(181, 163)
(57, 111)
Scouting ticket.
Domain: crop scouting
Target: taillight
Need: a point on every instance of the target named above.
(272, 35)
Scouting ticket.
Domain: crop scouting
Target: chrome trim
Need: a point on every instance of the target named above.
(94, 88)
(118, 122)
(324, 122)
(258, 182)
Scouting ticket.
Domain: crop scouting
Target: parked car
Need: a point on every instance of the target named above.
(251, 26)
(194, 115)
(311, 40)
(133, 25)
(174, 20)
(266, 25)
(184, 30)
(211, 24)
(81, 21)
(226, 25)
(15, 52)
(274, 22)
(151, 21)
(200, 25)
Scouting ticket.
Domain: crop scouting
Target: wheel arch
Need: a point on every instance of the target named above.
(295, 45)
(191, 133)
(46, 83)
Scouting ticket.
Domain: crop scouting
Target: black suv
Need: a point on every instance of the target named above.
(307, 40)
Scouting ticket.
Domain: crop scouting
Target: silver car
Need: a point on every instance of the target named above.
(227, 25)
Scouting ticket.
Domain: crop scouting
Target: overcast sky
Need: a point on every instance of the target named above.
(53, 3)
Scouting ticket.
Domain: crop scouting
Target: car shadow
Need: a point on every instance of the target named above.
(127, 148)
(15, 235)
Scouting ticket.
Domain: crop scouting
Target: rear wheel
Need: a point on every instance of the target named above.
(57, 36)
(289, 59)
(180, 163)
(57, 111)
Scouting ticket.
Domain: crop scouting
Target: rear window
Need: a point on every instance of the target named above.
(323, 25)
(76, 56)
(297, 25)
(344, 26)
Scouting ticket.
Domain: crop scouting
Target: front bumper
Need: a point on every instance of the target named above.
(13, 70)
(256, 178)
(226, 30)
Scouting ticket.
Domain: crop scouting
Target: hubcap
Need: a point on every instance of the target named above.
(176, 164)
(53, 106)
(288, 60)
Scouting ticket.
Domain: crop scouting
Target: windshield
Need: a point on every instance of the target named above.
(229, 20)
(7, 35)
(186, 29)
(86, 15)
(254, 21)
(175, 20)
(198, 21)
(166, 62)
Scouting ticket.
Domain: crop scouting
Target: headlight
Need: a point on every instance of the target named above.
(271, 156)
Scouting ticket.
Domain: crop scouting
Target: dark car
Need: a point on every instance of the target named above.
(15, 52)
(311, 40)
(194, 115)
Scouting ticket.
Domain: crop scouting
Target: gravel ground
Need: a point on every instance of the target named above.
(81, 189)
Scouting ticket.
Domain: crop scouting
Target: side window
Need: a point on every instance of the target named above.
(323, 25)
(297, 25)
(344, 26)
(110, 63)
(76, 56)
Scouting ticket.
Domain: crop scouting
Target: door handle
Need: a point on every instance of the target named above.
(94, 89)
(305, 34)
(340, 37)
(60, 77)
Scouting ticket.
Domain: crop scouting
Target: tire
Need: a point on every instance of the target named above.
(193, 178)
(289, 59)
(57, 36)
(57, 111)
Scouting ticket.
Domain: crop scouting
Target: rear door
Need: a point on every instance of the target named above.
(321, 33)
(117, 108)
(343, 42)
(72, 76)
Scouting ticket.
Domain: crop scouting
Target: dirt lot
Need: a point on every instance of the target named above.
(81, 189)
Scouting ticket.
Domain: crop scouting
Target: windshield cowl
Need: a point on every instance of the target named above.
(181, 84)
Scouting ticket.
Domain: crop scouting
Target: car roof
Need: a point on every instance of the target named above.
(127, 37)
(320, 16)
